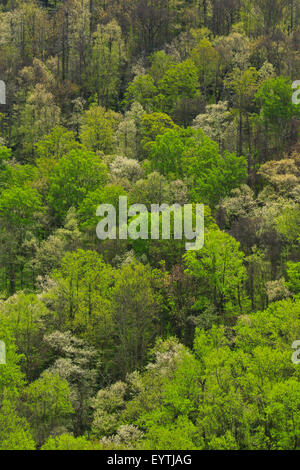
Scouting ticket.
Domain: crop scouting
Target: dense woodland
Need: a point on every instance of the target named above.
(140, 344)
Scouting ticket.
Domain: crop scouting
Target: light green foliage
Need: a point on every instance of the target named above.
(80, 295)
(277, 108)
(293, 277)
(206, 59)
(244, 83)
(74, 176)
(51, 251)
(126, 136)
(18, 207)
(98, 129)
(25, 316)
(14, 430)
(228, 395)
(160, 63)
(46, 404)
(77, 364)
(151, 190)
(134, 316)
(219, 269)
(48, 151)
(275, 98)
(142, 90)
(17, 174)
(107, 60)
(190, 152)
(153, 125)
(111, 407)
(168, 150)
(20, 215)
(11, 377)
(133, 344)
(178, 83)
(39, 117)
(5, 155)
(56, 144)
(288, 223)
(88, 207)
(69, 442)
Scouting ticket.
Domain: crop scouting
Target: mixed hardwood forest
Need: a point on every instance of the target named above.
(140, 344)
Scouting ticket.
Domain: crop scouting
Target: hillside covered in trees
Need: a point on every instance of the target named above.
(141, 344)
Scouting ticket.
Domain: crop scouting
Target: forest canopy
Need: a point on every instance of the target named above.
(141, 344)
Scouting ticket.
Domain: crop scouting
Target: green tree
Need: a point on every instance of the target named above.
(69, 442)
(46, 405)
(15, 433)
(206, 59)
(179, 83)
(142, 90)
(107, 60)
(81, 296)
(134, 316)
(277, 109)
(20, 210)
(25, 314)
(98, 129)
(244, 83)
(77, 363)
(293, 277)
(220, 272)
(152, 125)
(39, 116)
(180, 153)
(74, 176)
